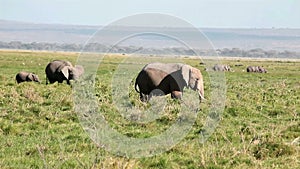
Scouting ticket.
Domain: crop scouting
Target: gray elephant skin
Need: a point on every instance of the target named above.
(164, 78)
(26, 77)
(60, 70)
(257, 69)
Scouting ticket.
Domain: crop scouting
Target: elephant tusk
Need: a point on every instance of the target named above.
(201, 97)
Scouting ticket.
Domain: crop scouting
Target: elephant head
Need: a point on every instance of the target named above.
(227, 68)
(71, 72)
(79, 70)
(33, 77)
(193, 79)
(261, 69)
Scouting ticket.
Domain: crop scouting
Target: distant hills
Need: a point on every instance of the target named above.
(241, 42)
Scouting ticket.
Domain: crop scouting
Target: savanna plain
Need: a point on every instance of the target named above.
(259, 128)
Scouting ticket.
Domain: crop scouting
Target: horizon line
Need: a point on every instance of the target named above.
(99, 26)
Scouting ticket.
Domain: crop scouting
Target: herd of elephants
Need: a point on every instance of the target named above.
(154, 79)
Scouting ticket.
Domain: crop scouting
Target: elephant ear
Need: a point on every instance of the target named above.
(185, 71)
(35, 78)
(30, 77)
(65, 71)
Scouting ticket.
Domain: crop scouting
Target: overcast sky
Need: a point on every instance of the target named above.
(200, 13)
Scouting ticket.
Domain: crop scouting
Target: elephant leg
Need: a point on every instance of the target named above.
(176, 94)
(157, 92)
(144, 97)
(51, 81)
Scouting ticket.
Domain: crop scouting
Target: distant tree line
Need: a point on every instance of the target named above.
(258, 53)
(177, 51)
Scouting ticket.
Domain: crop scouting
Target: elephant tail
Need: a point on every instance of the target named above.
(46, 80)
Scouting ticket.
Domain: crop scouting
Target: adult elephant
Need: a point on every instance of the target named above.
(257, 69)
(218, 67)
(26, 77)
(165, 78)
(60, 70)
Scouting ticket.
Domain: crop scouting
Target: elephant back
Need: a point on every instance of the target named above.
(61, 64)
(168, 68)
(21, 77)
(57, 66)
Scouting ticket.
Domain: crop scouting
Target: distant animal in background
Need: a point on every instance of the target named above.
(257, 69)
(164, 78)
(237, 65)
(218, 67)
(26, 77)
(60, 70)
(262, 70)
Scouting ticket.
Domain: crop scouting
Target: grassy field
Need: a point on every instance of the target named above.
(40, 129)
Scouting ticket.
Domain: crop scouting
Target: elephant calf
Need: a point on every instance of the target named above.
(257, 69)
(26, 77)
(60, 70)
(165, 78)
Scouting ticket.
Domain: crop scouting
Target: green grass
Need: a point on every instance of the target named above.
(40, 129)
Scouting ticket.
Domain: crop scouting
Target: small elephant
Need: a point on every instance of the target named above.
(257, 69)
(218, 67)
(26, 77)
(164, 78)
(60, 70)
